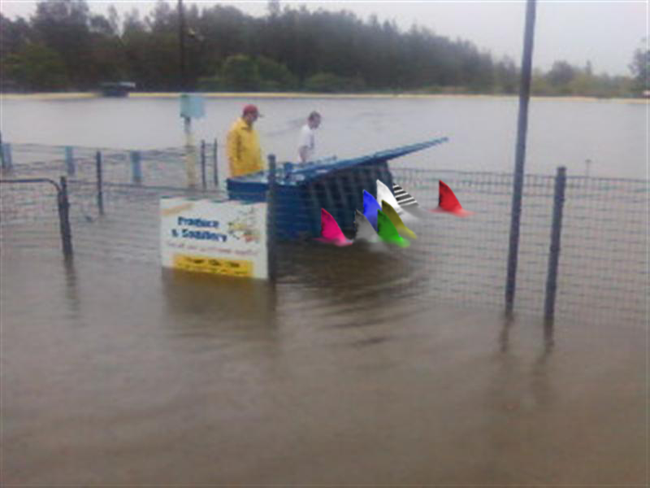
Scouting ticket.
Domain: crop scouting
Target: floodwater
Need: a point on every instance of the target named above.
(122, 374)
(482, 131)
(358, 368)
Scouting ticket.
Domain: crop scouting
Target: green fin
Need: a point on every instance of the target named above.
(388, 232)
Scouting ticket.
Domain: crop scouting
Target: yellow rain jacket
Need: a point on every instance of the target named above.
(244, 155)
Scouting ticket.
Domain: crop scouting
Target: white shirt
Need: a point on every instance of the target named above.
(307, 139)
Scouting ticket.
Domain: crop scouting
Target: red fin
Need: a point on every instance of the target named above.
(447, 202)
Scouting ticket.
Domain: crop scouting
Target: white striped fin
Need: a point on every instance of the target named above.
(403, 198)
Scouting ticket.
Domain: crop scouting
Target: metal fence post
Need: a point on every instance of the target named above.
(136, 167)
(100, 183)
(69, 161)
(215, 165)
(203, 179)
(64, 218)
(554, 253)
(7, 161)
(271, 225)
(520, 153)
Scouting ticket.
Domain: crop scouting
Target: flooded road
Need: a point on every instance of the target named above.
(127, 375)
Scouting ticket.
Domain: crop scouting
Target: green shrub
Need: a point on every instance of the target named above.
(331, 83)
(240, 73)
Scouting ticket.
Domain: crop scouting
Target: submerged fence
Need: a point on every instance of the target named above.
(154, 167)
(583, 240)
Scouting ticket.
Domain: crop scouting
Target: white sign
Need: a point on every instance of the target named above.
(225, 238)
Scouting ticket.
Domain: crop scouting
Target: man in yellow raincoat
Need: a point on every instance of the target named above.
(244, 154)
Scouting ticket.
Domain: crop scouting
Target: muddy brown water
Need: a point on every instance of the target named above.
(358, 368)
(128, 375)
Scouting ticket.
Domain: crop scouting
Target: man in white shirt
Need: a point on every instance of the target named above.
(307, 142)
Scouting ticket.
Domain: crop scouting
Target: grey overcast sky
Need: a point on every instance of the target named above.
(605, 32)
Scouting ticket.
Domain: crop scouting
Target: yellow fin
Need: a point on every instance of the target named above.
(391, 213)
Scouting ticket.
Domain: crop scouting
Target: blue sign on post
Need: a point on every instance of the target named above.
(69, 161)
(136, 167)
(7, 161)
(192, 106)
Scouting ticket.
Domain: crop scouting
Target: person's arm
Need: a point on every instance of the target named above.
(303, 145)
(233, 148)
(256, 150)
(302, 152)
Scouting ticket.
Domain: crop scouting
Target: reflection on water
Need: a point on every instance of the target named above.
(230, 303)
(346, 286)
(126, 375)
(71, 285)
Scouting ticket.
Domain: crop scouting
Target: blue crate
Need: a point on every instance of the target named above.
(335, 185)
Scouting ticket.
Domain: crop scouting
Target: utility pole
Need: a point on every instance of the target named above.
(186, 109)
(520, 152)
(181, 40)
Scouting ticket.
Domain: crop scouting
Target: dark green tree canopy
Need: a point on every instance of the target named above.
(291, 48)
(640, 66)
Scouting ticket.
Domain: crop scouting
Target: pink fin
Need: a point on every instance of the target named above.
(330, 230)
(448, 203)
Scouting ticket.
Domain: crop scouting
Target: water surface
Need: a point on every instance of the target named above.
(126, 375)
(360, 367)
(482, 131)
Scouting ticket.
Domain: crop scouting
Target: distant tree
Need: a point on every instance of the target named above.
(38, 68)
(163, 18)
(133, 23)
(560, 75)
(506, 76)
(135, 42)
(240, 73)
(226, 32)
(114, 19)
(274, 76)
(289, 48)
(540, 85)
(100, 25)
(15, 35)
(330, 83)
(273, 8)
(63, 26)
(109, 56)
(582, 83)
(640, 67)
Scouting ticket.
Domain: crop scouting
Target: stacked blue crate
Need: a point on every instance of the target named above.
(335, 185)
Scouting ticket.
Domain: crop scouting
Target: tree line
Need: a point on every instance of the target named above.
(64, 46)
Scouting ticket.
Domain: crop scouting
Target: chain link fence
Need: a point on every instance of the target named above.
(603, 260)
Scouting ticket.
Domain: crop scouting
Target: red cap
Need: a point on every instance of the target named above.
(251, 109)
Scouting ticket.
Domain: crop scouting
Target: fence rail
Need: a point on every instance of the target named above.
(63, 206)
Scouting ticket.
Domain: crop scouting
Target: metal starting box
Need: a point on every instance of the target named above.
(335, 185)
